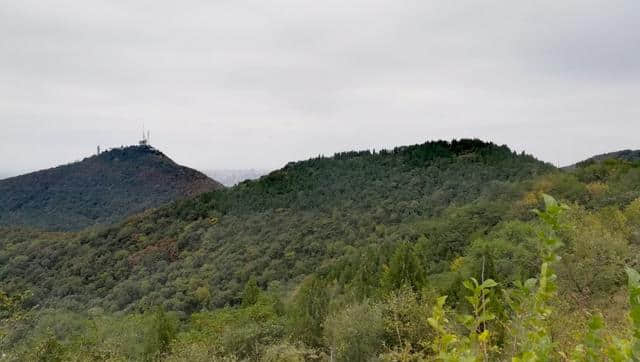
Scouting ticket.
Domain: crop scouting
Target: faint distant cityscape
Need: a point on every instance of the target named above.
(233, 177)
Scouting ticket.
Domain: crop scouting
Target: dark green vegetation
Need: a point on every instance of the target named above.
(344, 258)
(100, 189)
(280, 228)
(624, 155)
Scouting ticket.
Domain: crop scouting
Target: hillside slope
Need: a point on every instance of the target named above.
(343, 256)
(279, 228)
(624, 155)
(100, 189)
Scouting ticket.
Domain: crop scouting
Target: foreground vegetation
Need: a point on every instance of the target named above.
(320, 321)
(291, 268)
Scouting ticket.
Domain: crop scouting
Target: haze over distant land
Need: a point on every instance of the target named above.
(231, 86)
(233, 177)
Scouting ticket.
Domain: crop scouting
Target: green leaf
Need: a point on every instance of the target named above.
(489, 283)
(549, 201)
(634, 278)
(530, 284)
(467, 284)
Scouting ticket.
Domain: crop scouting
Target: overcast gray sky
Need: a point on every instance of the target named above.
(241, 84)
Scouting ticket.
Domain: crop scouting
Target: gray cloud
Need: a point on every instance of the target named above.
(241, 84)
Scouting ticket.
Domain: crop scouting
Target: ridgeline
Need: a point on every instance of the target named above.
(100, 189)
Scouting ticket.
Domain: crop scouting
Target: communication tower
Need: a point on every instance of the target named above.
(145, 138)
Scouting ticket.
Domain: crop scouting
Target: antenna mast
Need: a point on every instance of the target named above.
(145, 139)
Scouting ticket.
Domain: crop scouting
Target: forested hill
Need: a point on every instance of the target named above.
(344, 258)
(279, 228)
(101, 189)
(625, 155)
(420, 179)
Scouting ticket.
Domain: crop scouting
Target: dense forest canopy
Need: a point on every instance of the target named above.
(345, 258)
(283, 226)
(104, 188)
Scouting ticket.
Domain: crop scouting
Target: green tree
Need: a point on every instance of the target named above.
(596, 251)
(405, 315)
(250, 293)
(354, 333)
(309, 310)
(161, 332)
(404, 268)
(49, 349)
(203, 296)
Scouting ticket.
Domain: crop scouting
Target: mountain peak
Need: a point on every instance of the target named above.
(102, 188)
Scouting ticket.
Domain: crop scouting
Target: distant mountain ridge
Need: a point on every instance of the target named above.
(624, 155)
(100, 189)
